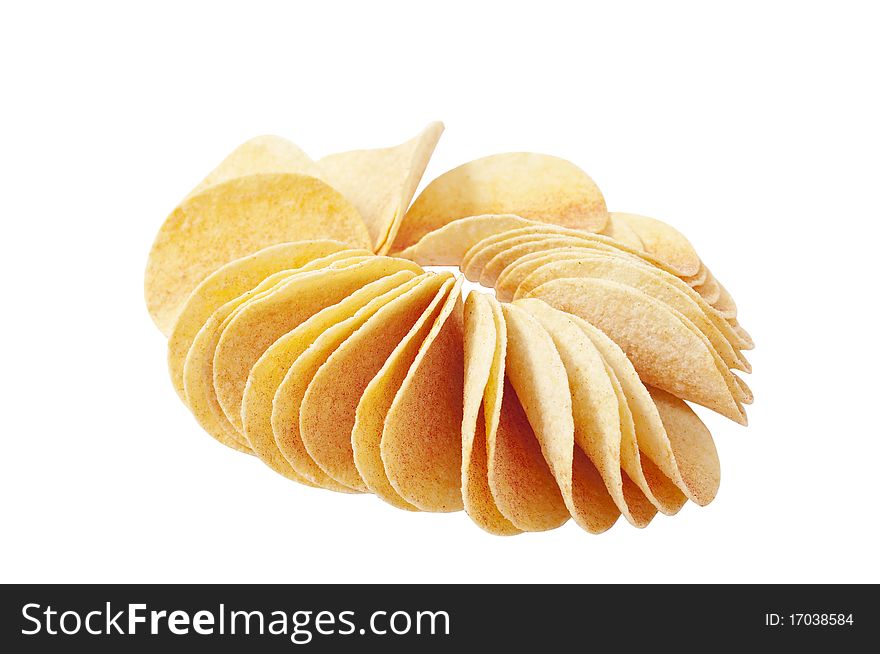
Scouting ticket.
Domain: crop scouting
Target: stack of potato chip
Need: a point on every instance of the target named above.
(295, 336)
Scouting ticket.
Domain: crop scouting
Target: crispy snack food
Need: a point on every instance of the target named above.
(559, 392)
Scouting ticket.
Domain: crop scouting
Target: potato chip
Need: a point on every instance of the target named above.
(237, 218)
(605, 425)
(522, 484)
(621, 231)
(366, 435)
(656, 283)
(699, 278)
(262, 154)
(534, 186)
(663, 241)
(693, 446)
(725, 305)
(381, 183)
(646, 489)
(595, 406)
(447, 245)
(270, 369)
(484, 354)
(476, 265)
(263, 321)
(327, 413)
(511, 276)
(231, 281)
(664, 350)
(541, 232)
(650, 435)
(709, 290)
(198, 371)
(539, 377)
(421, 441)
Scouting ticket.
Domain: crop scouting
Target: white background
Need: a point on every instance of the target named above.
(753, 129)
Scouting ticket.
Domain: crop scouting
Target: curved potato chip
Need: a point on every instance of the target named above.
(664, 350)
(522, 484)
(270, 369)
(327, 413)
(263, 321)
(595, 407)
(621, 231)
(447, 245)
(725, 305)
(483, 265)
(198, 370)
(230, 281)
(709, 290)
(697, 279)
(593, 241)
(236, 218)
(534, 186)
(381, 183)
(663, 241)
(693, 446)
(262, 154)
(539, 377)
(604, 424)
(656, 283)
(373, 407)
(742, 333)
(484, 351)
(651, 434)
(645, 491)
(521, 267)
(521, 276)
(421, 441)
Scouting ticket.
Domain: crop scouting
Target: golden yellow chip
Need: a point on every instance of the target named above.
(663, 241)
(698, 278)
(232, 280)
(262, 154)
(511, 276)
(522, 484)
(270, 369)
(709, 290)
(327, 413)
(693, 446)
(426, 472)
(534, 186)
(497, 243)
(237, 218)
(665, 351)
(621, 231)
(366, 435)
(539, 377)
(484, 351)
(447, 245)
(495, 257)
(725, 305)
(656, 283)
(658, 474)
(198, 371)
(381, 183)
(198, 368)
(262, 321)
(521, 276)
(595, 403)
